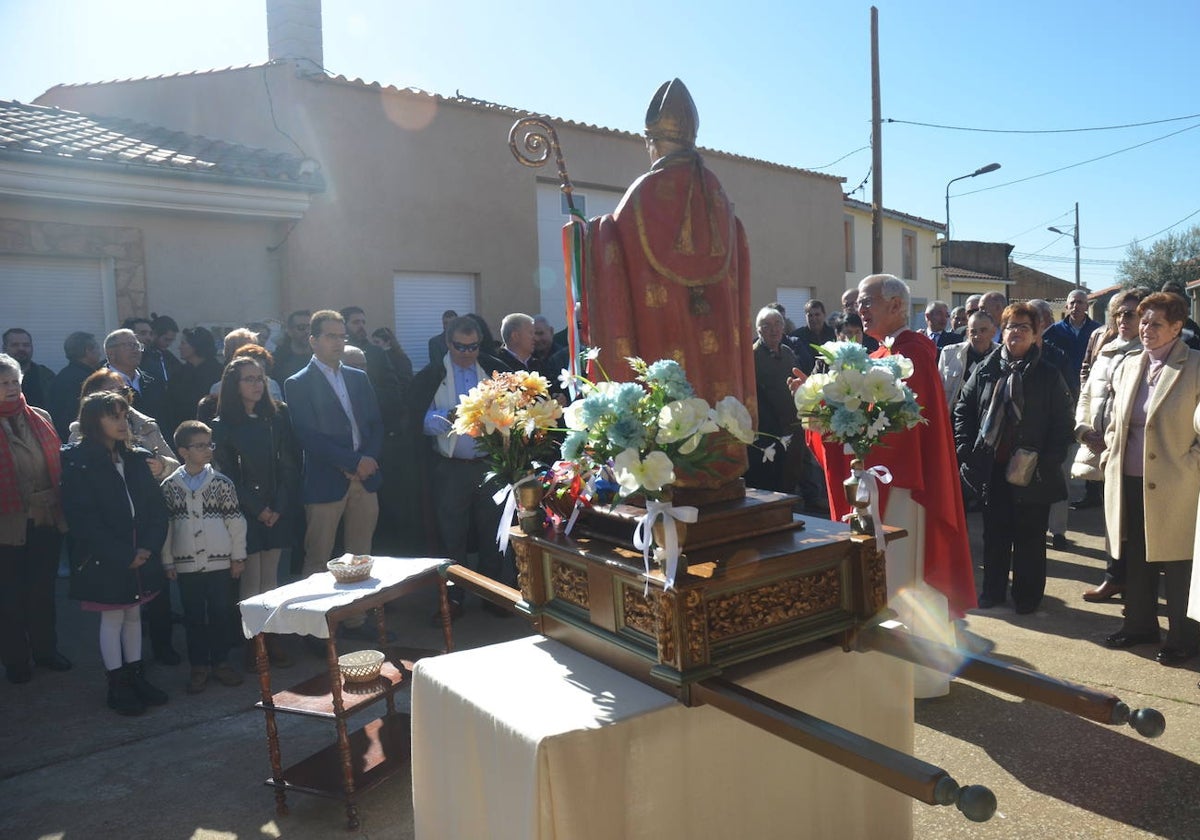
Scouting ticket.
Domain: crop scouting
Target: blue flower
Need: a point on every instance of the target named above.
(844, 423)
(670, 376)
(849, 354)
(572, 446)
(626, 396)
(627, 433)
(593, 408)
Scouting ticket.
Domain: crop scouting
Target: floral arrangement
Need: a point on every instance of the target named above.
(859, 399)
(512, 415)
(647, 428)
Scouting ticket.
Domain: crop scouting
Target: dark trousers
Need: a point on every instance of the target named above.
(157, 614)
(1014, 537)
(460, 502)
(27, 575)
(207, 611)
(1141, 579)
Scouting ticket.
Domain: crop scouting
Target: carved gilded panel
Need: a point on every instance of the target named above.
(776, 603)
(568, 583)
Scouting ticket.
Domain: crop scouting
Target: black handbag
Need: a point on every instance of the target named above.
(976, 470)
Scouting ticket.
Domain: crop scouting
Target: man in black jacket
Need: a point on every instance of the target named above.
(36, 379)
(83, 358)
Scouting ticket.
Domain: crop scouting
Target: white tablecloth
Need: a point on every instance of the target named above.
(531, 739)
(300, 607)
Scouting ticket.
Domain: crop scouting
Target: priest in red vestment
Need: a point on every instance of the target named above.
(930, 576)
(668, 273)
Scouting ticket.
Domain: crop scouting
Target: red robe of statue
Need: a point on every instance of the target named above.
(922, 460)
(668, 277)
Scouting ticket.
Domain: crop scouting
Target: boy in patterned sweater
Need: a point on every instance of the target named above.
(205, 548)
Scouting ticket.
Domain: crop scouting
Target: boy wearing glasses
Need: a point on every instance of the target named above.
(205, 547)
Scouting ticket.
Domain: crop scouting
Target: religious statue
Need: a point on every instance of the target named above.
(668, 274)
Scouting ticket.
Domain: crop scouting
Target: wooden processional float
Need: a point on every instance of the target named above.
(759, 586)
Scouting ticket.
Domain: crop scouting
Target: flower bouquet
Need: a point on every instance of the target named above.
(856, 402)
(512, 415)
(647, 429)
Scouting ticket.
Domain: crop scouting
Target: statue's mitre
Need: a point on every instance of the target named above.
(672, 115)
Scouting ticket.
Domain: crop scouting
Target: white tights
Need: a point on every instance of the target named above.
(121, 630)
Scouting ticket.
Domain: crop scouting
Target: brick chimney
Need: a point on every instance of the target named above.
(294, 33)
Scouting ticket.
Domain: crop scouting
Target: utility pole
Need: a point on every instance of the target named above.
(1075, 237)
(876, 153)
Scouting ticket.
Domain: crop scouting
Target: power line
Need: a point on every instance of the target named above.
(1041, 130)
(1037, 256)
(1080, 163)
(839, 160)
(1144, 238)
(1035, 227)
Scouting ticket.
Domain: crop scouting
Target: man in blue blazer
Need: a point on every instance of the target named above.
(337, 421)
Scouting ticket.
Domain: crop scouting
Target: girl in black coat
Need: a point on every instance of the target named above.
(118, 522)
(1014, 405)
(257, 451)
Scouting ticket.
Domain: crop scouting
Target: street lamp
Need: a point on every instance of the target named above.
(983, 170)
(1075, 235)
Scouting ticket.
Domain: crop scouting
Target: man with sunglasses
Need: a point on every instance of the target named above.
(458, 468)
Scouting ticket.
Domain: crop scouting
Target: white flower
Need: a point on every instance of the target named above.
(733, 417)
(846, 390)
(768, 454)
(571, 416)
(811, 393)
(881, 386)
(633, 474)
(878, 427)
(785, 442)
(682, 419)
(591, 354)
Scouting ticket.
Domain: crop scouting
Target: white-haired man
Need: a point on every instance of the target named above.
(929, 573)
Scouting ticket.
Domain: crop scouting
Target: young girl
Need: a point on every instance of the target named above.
(118, 522)
(257, 451)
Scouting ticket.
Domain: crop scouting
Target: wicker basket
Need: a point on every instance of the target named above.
(361, 666)
(348, 569)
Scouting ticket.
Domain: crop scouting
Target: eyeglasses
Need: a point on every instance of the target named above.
(335, 336)
(465, 348)
(1018, 328)
(1126, 314)
(208, 445)
(979, 330)
(133, 345)
(253, 380)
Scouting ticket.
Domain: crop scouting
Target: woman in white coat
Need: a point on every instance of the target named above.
(1152, 479)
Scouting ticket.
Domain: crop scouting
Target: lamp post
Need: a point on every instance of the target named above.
(1075, 236)
(983, 170)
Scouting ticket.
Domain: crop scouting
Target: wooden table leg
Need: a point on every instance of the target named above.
(343, 738)
(264, 685)
(444, 606)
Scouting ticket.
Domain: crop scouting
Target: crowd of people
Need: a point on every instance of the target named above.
(226, 469)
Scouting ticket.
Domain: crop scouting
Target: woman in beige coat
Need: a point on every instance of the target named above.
(1152, 479)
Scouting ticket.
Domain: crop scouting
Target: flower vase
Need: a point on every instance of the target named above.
(530, 516)
(659, 532)
(860, 516)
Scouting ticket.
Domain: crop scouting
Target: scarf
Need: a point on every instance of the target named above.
(10, 493)
(1007, 405)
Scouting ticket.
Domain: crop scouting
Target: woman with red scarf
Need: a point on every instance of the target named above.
(31, 526)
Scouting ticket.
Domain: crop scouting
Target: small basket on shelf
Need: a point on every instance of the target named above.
(361, 666)
(351, 568)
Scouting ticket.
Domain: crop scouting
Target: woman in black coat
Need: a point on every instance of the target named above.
(195, 377)
(1014, 409)
(118, 522)
(257, 450)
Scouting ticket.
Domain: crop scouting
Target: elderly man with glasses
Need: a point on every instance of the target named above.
(124, 352)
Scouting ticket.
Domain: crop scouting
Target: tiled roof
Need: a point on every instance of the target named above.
(57, 136)
(467, 102)
(854, 203)
(966, 274)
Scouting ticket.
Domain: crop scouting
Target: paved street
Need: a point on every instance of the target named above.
(70, 768)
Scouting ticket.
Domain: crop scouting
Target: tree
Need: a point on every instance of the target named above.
(1175, 256)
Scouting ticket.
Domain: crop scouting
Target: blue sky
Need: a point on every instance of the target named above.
(787, 82)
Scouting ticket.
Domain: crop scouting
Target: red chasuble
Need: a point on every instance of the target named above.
(921, 460)
(668, 277)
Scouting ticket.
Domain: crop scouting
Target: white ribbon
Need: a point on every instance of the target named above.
(643, 535)
(589, 493)
(869, 480)
(508, 497)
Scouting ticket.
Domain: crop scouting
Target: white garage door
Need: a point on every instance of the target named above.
(52, 297)
(420, 298)
(793, 299)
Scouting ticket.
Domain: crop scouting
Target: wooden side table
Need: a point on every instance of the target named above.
(362, 759)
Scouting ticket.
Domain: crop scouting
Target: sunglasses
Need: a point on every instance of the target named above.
(465, 348)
